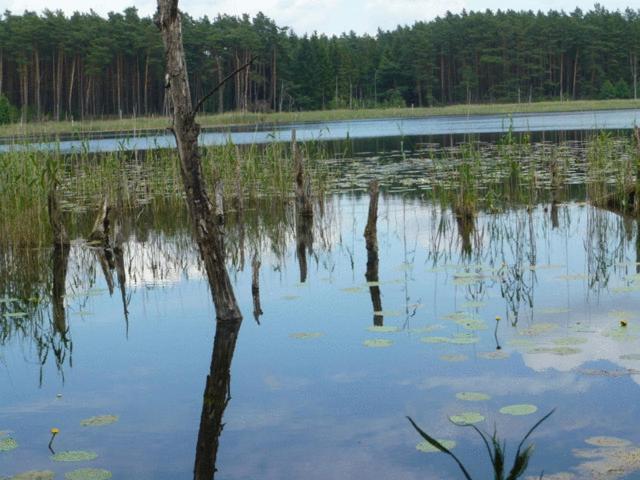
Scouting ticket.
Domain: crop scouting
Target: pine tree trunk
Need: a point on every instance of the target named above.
(71, 83)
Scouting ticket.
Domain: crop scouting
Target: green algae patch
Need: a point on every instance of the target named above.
(88, 474)
(454, 358)
(519, 410)
(74, 456)
(495, 355)
(383, 329)
(8, 444)
(34, 475)
(306, 335)
(426, 447)
(378, 343)
(467, 418)
(608, 442)
(472, 396)
(99, 421)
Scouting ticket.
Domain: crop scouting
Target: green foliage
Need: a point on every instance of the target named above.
(8, 113)
(608, 91)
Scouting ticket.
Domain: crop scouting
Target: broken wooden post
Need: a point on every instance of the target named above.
(371, 241)
(100, 232)
(304, 207)
(60, 261)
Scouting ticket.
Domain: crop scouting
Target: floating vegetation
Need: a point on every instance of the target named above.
(7, 444)
(521, 342)
(74, 456)
(88, 474)
(472, 396)
(561, 351)
(353, 290)
(426, 447)
(306, 335)
(383, 329)
(388, 313)
(473, 305)
(378, 343)
(495, 355)
(290, 297)
(545, 267)
(555, 476)
(607, 442)
(631, 356)
(554, 311)
(435, 340)
(34, 475)
(472, 324)
(426, 329)
(457, 339)
(568, 341)
(467, 418)
(572, 278)
(595, 372)
(538, 329)
(622, 334)
(519, 410)
(454, 358)
(466, 279)
(99, 421)
(610, 463)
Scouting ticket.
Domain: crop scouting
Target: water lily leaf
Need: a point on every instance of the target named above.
(554, 311)
(15, 314)
(572, 278)
(99, 421)
(426, 329)
(538, 329)
(388, 313)
(472, 396)
(74, 456)
(495, 355)
(464, 339)
(435, 340)
(473, 304)
(306, 335)
(561, 351)
(521, 342)
(378, 343)
(383, 329)
(426, 447)
(290, 297)
(88, 474)
(352, 290)
(631, 356)
(608, 442)
(34, 475)
(454, 358)
(467, 418)
(567, 341)
(519, 410)
(8, 444)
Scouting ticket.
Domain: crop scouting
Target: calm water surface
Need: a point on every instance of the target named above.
(324, 405)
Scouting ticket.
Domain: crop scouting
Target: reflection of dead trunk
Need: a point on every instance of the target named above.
(60, 263)
(255, 288)
(304, 243)
(555, 194)
(466, 226)
(371, 240)
(118, 254)
(217, 394)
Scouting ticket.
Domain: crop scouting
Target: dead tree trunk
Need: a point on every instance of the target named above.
(371, 241)
(208, 235)
(255, 288)
(100, 232)
(303, 182)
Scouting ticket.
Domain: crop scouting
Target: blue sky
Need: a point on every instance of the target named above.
(327, 16)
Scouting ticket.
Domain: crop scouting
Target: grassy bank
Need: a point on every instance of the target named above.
(234, 118)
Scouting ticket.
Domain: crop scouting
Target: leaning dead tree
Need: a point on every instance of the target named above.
(208, 233)
(371, 241)
(185, 129)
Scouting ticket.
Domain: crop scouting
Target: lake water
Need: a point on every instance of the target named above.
(320, 383)
(358, 129)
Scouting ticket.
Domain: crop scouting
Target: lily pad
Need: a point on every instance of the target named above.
(608, 442)
(352, 290)
(378, 343)
(467, 418)
(453, 358)
(15, 314)
(74, 456)
(99, 421)
(472, 324)
(388, 313)
(88, 474)
(8, 444)
(306, 335)
(538, 329)
(290, 297)
(426, 447)
(34, 475)
(435, 340)
(631, 356)
(473, 304)
(464, 339)
(572, 278)
(554, 311)
(567, 341)
(472, 396)
(495, 355)
(383, 329)
(519, 410)
(561, 351)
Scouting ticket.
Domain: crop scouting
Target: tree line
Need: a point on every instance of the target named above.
(54, 66)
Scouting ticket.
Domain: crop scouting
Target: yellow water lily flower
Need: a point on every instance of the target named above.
(55, 431)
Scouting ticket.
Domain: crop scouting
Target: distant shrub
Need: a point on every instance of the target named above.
(607, 91)
(622, 89)
(8, 113)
